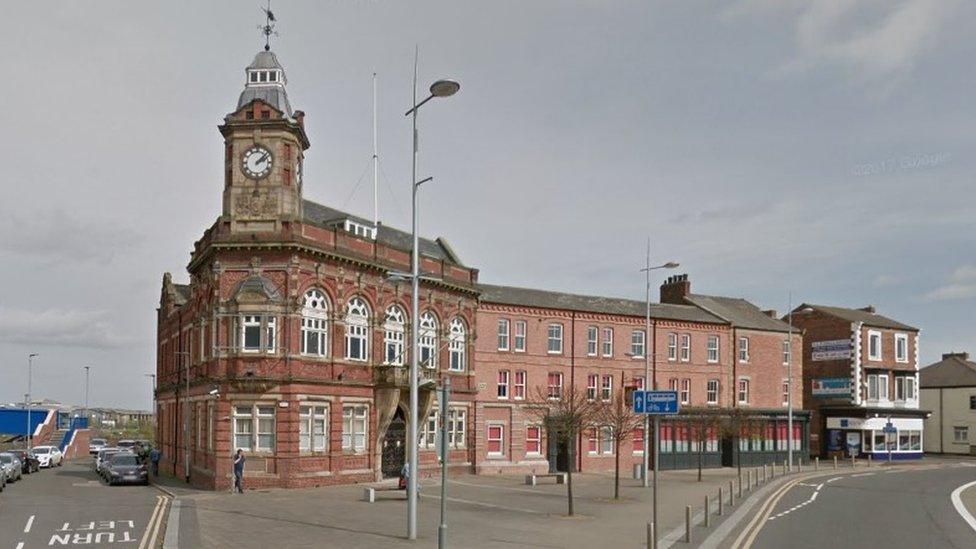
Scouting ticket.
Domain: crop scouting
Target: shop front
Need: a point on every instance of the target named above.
(881, 434)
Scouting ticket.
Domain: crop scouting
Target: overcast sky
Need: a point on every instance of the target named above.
(770, 146)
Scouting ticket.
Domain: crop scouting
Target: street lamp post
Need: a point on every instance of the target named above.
(87, 377)
(789, 389)
(152, 393)
(440, 88)
(648, 375)
(30, 369)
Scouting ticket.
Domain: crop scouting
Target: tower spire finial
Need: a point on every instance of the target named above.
(268, 29)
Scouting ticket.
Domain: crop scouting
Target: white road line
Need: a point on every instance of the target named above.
(960, 508)
(20, 545)
(149, 525)
(159, 523)
(862, 475)
(833, 479)
(30, 521)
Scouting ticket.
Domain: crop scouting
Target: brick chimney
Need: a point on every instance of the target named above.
(868, 309)
(675, 288)
(963, 356)
(771, 313)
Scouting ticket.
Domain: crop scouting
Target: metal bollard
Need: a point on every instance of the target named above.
(731, 502)
(853, 462)
(720, 502)
(707, 518)
(799, 465)
(764, 474)
(740, 487)
(784, 467)
(816, 463)
(687, 523)
(651, 542)
(835, 462)
(869, 460)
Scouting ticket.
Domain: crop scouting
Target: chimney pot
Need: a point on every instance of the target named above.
(675, 289)
(947, 356)
(771, 313)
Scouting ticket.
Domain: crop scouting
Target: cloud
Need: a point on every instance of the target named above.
(874, 40)
(60, 236)
(961, 285)
(60, 328)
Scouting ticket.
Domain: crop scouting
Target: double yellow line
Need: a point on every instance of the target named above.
(151, 534)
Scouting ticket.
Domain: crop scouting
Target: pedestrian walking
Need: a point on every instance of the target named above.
(239, 471)
(404, 476)
(154, 456)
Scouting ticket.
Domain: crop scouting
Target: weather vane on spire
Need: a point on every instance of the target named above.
(268, 29)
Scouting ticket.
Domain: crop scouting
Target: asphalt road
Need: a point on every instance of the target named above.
(879, 507)
(70, 506)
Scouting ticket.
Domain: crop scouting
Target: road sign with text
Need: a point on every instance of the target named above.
(656, 402)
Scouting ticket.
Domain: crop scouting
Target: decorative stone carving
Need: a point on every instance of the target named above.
(257, 205)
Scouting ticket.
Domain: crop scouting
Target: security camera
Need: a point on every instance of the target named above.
(214, 392)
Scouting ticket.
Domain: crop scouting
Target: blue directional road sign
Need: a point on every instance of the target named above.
(890, 428)
(656, 402)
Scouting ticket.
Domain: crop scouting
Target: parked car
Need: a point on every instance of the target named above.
(104, 460)
(126, 467)
(12, 465)
(126, 444)
(29, 460)
(101, 456)
(96, 444)
(3, 478)
(49, 456)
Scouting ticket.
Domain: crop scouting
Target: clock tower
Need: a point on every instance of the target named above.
(264, 146)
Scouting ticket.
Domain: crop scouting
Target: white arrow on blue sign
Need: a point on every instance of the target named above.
(656, 402)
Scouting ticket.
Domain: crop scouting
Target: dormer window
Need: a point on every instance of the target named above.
(254, 77)
(273, 76)
(360, 229)
(263, 76)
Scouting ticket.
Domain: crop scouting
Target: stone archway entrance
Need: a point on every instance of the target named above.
(394, 446)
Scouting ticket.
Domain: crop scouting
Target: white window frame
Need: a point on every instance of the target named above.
(253, 322)
(900, 388)
(271, 333)
(872, 394)
(502, 384)
(606, 388)
(711, 391)
(357, 329)
(427, 340)
(315, 323)
(901, 348)
(394, 335)
(520, 335)
(519, 385)
(592, 340)
(457, 341)
(638, 341)
(960, 429)
(558, 387)
(555, 339)
(606, 443)
(871, 355)
(311, 416)
(787, 350)
(786, 392)
(685, 394)
(243, 415)
(607, 344)
(685, 347)
(672, 347)
(883, 387)
(592, 386)
(537, 439)
(427, 437)
(457, 427)
(353, 417)
(503, 334)
(742, 388)
(489, 439)
(256, 416)
(743, 349)
(712, 348)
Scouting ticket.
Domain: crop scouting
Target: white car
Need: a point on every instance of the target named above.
(49, 456)
(97, 444)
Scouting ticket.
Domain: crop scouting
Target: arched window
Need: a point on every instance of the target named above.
(457, 341)
(315, 323)
(357, 330)
(427, 336)
(393, 331)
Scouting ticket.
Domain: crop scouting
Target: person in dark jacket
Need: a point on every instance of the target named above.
(239, 471)
(154, 456)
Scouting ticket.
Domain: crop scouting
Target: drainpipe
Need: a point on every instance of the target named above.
(941, 421)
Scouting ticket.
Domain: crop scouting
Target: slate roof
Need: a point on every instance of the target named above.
(327, 217)
(528, 297)
(952, 371)
(738, 312)
(272, 95)
(857, 315)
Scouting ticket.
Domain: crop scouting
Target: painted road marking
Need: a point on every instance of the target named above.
(960, 508)
(20, 545)
(156, 516)
(812, 499)
(833, 479)
(862, 475)
(95, 532)
(30, 521)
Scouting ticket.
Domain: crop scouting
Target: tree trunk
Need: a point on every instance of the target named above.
(616, 471)
(701, 446)
(569, 473)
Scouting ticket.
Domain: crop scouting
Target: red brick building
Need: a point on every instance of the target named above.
(860, 373)
(291, 339)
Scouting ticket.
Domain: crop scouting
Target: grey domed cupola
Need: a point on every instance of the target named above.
(265, 80)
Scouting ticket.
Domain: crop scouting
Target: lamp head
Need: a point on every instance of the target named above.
(671, 265)
(444, 88)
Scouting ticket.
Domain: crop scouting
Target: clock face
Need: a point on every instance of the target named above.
(256, 162)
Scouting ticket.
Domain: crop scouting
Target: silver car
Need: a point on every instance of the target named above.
(12, 465)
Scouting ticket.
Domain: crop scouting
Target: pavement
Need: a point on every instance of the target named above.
(70, 505)
(483, 512)
(906, 505)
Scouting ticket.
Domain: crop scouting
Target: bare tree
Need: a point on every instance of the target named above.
(703, 423)
(738, 424)
(622, 421)
(565, 415)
